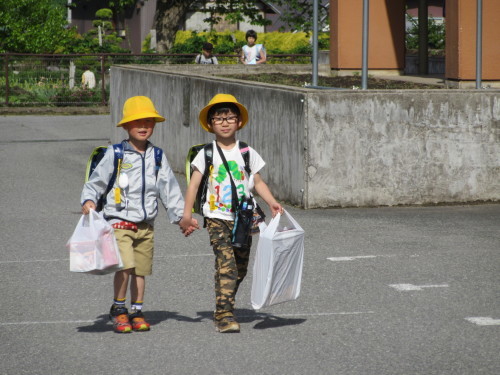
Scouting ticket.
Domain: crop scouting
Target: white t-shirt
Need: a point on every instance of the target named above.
(252, 54)
(88, 79)
(219, 202)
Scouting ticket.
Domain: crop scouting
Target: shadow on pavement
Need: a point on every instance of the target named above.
(103, 324)
(265, 321)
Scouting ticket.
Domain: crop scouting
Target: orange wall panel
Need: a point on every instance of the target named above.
(461, 16)
(385, 40)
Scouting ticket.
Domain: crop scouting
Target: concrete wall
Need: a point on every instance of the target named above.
(328, 148)
(402, 147)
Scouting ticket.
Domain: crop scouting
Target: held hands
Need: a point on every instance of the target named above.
(87, 206)
(188, 225)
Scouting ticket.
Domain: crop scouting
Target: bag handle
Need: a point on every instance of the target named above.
(274, 223)
(293, 221)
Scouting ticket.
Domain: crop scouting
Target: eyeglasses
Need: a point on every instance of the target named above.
(231, 120)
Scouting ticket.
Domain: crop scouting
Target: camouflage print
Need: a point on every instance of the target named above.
(231, 265)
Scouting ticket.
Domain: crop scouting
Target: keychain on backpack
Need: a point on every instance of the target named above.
(123, 184)
(118, 198)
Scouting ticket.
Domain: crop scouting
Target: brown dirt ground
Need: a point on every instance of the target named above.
(347, 82)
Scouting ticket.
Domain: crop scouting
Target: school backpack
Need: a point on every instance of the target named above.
(198, 60)
(96, 157)
(201, 194)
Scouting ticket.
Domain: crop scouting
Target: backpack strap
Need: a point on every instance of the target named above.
(245, 153)
(209, 157)
(158, 156)
(117, 164)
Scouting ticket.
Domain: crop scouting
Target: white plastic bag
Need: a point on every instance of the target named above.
(277, 271)
(92, 247)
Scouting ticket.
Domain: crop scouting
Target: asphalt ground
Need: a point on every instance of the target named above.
(394, 290)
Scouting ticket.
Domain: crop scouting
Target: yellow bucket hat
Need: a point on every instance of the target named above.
(222, 98)
(138, 107)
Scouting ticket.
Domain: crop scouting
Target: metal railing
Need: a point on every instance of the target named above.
(56, 80)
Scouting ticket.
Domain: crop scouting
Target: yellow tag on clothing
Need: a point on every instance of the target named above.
(211, 201)
(118, 195)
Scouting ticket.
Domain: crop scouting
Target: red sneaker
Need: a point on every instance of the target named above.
(138, 322)
(119, 317)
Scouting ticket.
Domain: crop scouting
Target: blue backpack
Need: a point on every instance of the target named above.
(96, 157)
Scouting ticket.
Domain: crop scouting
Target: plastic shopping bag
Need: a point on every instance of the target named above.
(277, 271)
(92, 247)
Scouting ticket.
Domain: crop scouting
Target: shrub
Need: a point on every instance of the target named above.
(436, 34)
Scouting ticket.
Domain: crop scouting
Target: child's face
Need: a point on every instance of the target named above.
(251, 41)
(225, 125)
(206, 53)
(140, 130)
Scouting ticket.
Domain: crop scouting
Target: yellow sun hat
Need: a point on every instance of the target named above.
(222, 98)
(138, 107)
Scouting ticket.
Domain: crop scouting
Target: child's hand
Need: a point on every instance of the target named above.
(276, 208)
(188, 226)
(87, 206)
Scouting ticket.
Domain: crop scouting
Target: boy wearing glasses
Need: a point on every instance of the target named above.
(224, 116)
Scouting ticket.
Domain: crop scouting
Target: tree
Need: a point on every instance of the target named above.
(299, 14)
(171, 13)
(108, 42)
(33, 26)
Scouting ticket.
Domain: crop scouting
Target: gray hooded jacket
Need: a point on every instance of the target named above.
(139, 200)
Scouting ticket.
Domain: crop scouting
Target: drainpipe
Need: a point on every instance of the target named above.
(479, 43)
(364, 64)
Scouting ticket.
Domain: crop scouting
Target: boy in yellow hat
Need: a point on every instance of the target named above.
(224, 116)
(132, 204)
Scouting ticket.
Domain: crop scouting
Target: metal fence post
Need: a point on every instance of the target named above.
(365, 36)
(6, 79)
(479, 43)
(103, 84)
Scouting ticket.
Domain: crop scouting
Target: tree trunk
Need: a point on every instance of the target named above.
(168, 19)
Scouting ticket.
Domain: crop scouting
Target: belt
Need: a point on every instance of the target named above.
(125, 225)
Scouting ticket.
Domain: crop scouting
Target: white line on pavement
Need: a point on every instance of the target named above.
(411, 287)
(67, 259)
(355, 257)
(484, 321)
(345, 259)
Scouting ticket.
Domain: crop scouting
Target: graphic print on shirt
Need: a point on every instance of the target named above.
(220, 198)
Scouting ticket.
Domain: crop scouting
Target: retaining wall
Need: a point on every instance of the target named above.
(327, 148)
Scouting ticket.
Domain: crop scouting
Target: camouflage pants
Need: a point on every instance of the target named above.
(231, 265)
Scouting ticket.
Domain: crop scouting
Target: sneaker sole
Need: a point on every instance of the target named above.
(124, 331)
(142, 329)
(230, 329)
